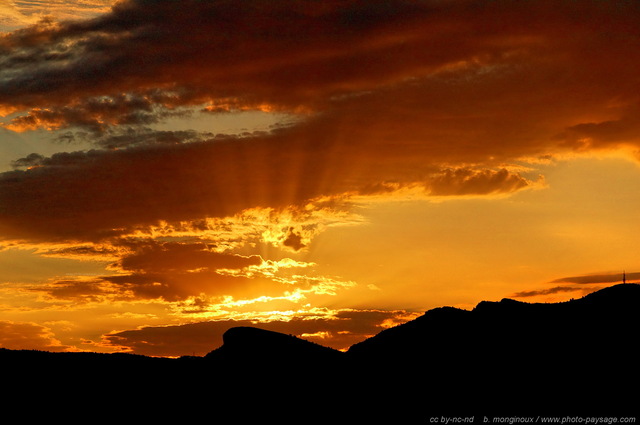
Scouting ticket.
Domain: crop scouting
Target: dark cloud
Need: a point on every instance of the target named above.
(552, 291)
(176, 271)
(95, 114)
(175, 286)
(254, 50)
(132, 136)
(476, 182)
(605, 134)
(305, 55)
(200, 338)
(103, 252)
(598, 278)
(31, 160)
(83, 291)
(162, 286)
(441, 94)
(97, 194)
(293, 240)
(167, 271)
(100, 194)
(157, 257)
(151, 270)
(583, 284)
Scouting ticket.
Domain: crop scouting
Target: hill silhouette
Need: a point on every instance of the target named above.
(578, 354)
(507, 357)
(606, 317)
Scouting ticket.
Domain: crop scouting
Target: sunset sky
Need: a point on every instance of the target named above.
(170, 169)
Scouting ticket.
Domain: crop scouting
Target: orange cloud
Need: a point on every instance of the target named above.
(28, 336)
(440, 95)
(154, 257)
(427, 99)
(339, 331)
(176, 272)
(102, 194)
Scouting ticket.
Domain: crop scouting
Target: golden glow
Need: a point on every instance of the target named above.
(324, 186)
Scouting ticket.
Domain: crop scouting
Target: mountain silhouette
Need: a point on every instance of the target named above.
(576, 354)
(500, 358)
(506, 328)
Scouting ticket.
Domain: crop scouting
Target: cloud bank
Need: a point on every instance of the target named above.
(442, 94)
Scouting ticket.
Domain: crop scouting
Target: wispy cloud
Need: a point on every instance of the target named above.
(553, 291)
(26, 336)
(613, 277)
(581, 284)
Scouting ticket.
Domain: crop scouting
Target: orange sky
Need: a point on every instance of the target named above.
(324, 169)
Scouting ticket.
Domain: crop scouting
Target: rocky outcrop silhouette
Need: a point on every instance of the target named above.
(259, 346)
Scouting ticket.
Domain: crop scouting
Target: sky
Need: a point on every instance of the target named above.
(325, 169)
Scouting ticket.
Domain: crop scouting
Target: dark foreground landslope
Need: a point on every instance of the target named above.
(577, 357)
(504, 334)
(580, 354)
